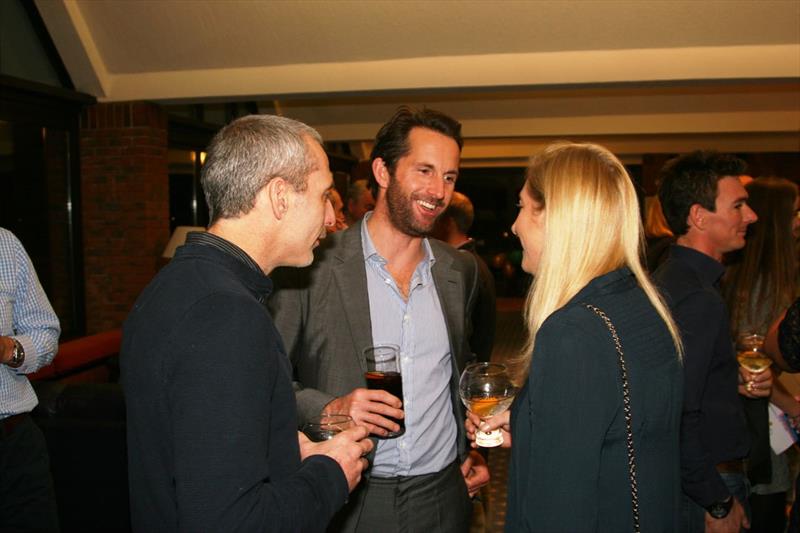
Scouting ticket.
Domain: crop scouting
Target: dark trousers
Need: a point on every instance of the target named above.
(794, 517)
(769, 513)
(426, 504)
(27, 499)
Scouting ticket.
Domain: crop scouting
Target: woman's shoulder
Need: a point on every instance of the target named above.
(572, 327)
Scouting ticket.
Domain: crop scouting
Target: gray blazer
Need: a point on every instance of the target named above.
(322, 313)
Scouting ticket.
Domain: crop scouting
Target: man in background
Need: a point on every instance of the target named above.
(29, 331)
(338, 212)
(359, 201)
(382, 281)
(212, 425)
(705, 206)
(453, 228)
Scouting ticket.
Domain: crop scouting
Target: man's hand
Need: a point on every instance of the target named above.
(733, 523)
(348, 448)
(369, 408)
(475, 472)
(473, 423)
(6, 349)
(755, 385)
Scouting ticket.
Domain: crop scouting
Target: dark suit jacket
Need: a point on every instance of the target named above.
(569, 467)
(484, 316)
(322, 313)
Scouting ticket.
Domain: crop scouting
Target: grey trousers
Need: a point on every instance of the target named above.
(429, 503)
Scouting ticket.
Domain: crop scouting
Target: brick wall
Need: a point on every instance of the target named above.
(125, 196)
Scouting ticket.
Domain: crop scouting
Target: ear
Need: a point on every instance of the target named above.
(697, 217)
(381, 172)
(277, 191)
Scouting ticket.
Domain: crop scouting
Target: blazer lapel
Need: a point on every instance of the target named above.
(450, 289)
(350, 276)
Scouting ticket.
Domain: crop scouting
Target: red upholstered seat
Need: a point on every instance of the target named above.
(77, 355)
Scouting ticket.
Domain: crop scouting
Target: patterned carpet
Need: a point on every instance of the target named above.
(508, 341)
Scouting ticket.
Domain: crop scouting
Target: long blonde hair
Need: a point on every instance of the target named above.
(592, 227)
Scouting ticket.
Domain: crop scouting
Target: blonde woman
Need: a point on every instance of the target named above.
(581, 235)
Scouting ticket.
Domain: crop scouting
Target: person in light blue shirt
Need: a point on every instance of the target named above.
(29, 331)
(382, 281)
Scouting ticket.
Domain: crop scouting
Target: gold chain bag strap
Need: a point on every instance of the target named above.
(626, 406)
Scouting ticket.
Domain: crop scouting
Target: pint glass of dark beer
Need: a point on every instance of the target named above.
(383, 373)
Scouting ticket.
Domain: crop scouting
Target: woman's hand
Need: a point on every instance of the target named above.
(755, 385)
(473, 423)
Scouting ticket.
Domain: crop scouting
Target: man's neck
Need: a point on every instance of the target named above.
(698, 243)
(396, 247)
(238, 232)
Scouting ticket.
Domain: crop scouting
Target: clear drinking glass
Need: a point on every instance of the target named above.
(487, 390)
(325, 427)
(384, 373)
(750, 353)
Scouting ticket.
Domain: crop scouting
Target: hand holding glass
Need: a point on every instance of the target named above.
(325, 427)
(750, 353)
(384, 373)
(487, 390)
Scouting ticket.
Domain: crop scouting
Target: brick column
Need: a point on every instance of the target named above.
(125, 197)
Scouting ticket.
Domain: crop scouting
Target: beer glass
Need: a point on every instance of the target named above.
(383, 373)
(325, 427)
(486, 390)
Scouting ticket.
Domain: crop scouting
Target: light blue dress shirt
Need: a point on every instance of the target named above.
(26, 315)
(418, 327)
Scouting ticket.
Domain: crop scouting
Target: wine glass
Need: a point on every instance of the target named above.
(750, 353)
(325, 427)
(486, 390)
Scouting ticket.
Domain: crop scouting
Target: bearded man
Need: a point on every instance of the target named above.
(382, 281)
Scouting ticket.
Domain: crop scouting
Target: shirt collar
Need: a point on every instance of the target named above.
(707, 268)
(205, 238)
(371, 252)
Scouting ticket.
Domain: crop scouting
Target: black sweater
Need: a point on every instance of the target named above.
(212, 427)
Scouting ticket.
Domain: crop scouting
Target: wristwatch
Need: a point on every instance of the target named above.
(720, 509)
(17, 354)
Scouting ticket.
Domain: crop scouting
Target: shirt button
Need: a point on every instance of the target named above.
(406, 318)
(407, 404)
(388, 281)
(406, 360)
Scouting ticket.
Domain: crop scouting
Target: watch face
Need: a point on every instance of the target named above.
(18, 355)
(719, 509)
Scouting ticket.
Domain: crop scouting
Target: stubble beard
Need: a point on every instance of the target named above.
(401, 212)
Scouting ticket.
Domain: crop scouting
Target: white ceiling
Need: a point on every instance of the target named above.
(727, 71)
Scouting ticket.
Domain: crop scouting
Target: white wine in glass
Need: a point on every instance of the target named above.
(487, 390)
(750, 353)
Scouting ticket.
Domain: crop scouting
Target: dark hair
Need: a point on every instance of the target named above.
(760, 281)
(391, 142)
(692, 179)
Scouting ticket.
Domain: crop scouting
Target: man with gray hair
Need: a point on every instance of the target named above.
(212, 424)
